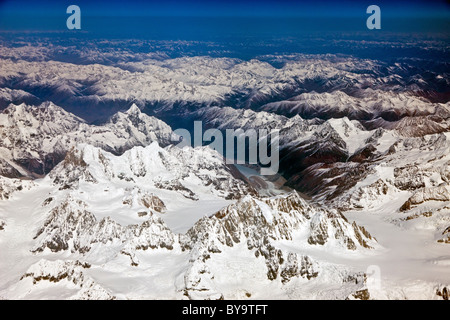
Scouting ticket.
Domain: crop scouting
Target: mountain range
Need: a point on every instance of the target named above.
(98, 200)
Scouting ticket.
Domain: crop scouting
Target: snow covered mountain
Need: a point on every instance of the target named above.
(8, 96)
(397, 174)
(328, 148)
(260, 226)
(179, 170)
(35, 139)
(312, 86)
(363, 104)
(113, 210)
(303, 143)
(99, 210)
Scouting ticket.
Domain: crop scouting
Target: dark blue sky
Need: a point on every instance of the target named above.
(174, 19)
(238, 28)
(226, 7)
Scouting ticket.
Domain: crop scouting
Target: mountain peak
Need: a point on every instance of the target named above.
(141, 128)
(133, 110)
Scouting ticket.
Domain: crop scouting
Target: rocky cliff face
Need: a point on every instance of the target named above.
(439, 193)
(70, 226)
(10, 186)
(260, 225)
(67, 271)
